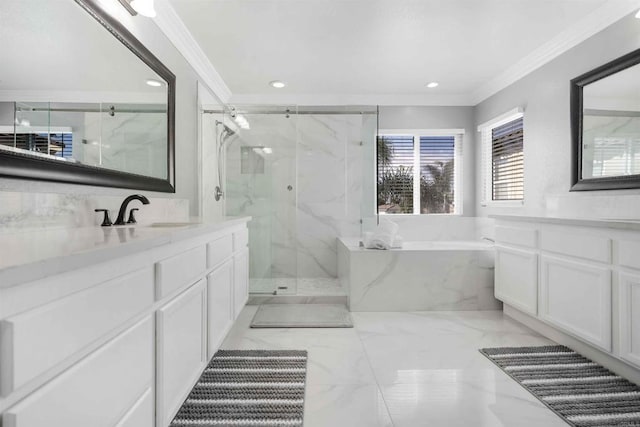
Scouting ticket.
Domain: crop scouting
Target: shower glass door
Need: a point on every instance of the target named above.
(260, 175)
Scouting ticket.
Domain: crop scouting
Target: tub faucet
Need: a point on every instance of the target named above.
(489, 239)
(123, 207)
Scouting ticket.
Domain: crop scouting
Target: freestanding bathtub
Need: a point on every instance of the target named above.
(422, 276)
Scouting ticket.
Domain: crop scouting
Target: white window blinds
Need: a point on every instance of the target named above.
(418, 173)
(507, 161)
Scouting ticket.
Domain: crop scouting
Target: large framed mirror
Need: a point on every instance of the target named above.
(82, 100)
(605, 126)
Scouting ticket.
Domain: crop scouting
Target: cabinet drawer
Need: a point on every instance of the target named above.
(97, 391)
(219, 250)
(576, 297)
(180, 270)
(36, 341)
(181, 349)
(628, 251)
(581, 245)
(240, 239)
(527, 237)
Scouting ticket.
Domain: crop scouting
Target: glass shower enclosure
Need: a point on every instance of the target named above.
(306, 176)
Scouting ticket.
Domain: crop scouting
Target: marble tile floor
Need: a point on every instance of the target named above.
(407, 369)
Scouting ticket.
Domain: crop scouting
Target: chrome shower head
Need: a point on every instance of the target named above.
(226, 132)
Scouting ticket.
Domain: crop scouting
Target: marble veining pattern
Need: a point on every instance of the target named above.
(23, 211)
(407, 369)
(435, 279)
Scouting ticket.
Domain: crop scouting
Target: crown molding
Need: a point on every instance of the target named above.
(172, 26)
(351, 99)
(605, 15)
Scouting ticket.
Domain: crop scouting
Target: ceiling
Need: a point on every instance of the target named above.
(366, 49)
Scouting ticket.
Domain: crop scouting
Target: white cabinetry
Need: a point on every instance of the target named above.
(586, 279)
(629, 301)
(122, 341)
(576, 296)
(516, 278)
(220, 307)
(241, 281)
(97, 391)
(181, 349)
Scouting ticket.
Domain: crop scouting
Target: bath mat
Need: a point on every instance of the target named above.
(580, 391)
(302, 316)
(248, 388)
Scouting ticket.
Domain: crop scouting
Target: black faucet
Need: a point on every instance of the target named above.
(123, 207)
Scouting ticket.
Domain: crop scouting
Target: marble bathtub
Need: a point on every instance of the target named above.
(422, 276)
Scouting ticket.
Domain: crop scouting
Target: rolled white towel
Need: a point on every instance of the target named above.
(397, 243)
(384, 235)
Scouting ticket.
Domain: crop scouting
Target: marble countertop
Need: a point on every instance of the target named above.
(26, 256)
(621, 224)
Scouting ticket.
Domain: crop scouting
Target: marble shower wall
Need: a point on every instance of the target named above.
(321, 157)
(330, 176)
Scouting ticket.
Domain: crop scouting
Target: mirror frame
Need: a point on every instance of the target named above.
(576, 95)
(24, 166)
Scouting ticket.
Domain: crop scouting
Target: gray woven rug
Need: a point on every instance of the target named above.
(580, 391)
(248, 388)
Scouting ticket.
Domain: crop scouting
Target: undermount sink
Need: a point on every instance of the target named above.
(170, 224)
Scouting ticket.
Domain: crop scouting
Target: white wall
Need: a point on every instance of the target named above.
(186, 125)
(412, 117)
(544, 94)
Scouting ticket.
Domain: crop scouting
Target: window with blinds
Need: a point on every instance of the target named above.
(54, 144)
(416, 174)
(395, 173)
(507, 161)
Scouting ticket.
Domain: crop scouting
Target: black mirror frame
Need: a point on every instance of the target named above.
(577, 86)
(24, 166)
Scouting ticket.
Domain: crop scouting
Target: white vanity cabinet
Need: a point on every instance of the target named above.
(181, 352)
(220, 306)
(120, 341)
(516, 278)
(583, 274)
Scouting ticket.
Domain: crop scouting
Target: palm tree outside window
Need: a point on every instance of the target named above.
(418, 172)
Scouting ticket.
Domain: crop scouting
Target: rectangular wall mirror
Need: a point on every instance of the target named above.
(95, 110)
(605, 125)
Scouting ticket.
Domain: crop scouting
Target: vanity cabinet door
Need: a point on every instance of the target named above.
(240, 281)
(576, 296)
(220, 306)
(181, 349)
(516, 278)
(629, 303)
(98, 390)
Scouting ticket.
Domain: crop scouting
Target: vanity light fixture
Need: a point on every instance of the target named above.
(431, 85)
(142, 7)
(277, 84)
(267, 150)
(154, 83)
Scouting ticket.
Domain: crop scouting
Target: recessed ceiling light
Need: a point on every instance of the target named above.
(277, 84)
(432, 85)
(154, 83)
